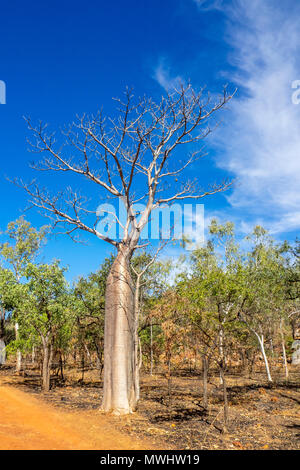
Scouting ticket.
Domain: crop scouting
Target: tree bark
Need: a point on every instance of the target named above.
(260, 339)
(151, 349)
(136, 339)
(225, 398)
(205, 373)
(2, 323)
(46, 366)
(284, 353)
(221, 349)
(88, 354)
(19, 354)
(262, 348)
(99, 352)
(61, 366)
(33, 355)
(82, 365)
(119, 393)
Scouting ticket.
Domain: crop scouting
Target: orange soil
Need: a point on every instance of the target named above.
(28, 423)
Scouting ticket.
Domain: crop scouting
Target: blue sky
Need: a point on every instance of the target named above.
(59, 59)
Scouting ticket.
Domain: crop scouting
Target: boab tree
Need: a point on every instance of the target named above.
(132, 157)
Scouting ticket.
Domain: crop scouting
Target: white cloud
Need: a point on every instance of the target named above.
(163, 76)
(261, 140)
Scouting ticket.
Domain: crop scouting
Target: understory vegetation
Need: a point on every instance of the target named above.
(214, 341)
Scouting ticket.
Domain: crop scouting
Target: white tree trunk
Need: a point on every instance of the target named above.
(19, 354)
(260, 339)
(119, 394)
(262, 348)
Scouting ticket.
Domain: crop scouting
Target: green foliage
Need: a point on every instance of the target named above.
(89, 304)
(23, 245)
(45, 306)
(220, 289)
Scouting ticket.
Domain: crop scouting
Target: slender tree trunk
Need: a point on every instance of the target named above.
(99, 352)
(75, 356)
(225, 398)
(82, 364)
(262, 348)
(221, 348)
(33, 355)
(119, 393)
(286, 369)
(205, 374)
(151, 349)
(136, 339)
(61, 366)
(2, 324)
(19, 354)
(88, 354)
(46, 366)
(284, 353)
(169, 376)
(251, 363)
(139, 366)
(260, 339)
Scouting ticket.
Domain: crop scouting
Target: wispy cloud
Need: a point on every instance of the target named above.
(259, 143)
(162, 74)
(262, 139)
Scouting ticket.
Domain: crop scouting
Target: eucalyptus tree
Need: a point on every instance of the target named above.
(149, 280)
(216, 272)
(132, 157)
(24, 242)
(263, 289)
(45, 307)
(212, 290)
(8, 294)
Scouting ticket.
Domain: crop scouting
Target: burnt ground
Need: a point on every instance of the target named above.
(260, 416)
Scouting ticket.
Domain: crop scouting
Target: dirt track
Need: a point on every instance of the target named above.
(29, 423)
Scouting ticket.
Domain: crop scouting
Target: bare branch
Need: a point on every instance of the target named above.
(131, 156)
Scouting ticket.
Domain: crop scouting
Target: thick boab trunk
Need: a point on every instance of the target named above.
(119, 394)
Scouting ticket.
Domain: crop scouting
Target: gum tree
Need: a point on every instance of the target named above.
(8, 294)
(213, 295)
(132, 157)
(148, 275)
(264, 299)
(21, 248)
(45, 308)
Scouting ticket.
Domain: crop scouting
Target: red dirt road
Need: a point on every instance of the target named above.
(28, 423)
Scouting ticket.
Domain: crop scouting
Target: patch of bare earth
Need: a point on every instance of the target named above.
(29, 423)
(260, 416)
